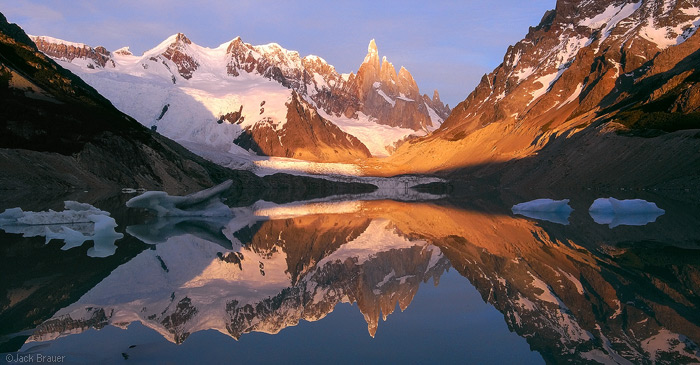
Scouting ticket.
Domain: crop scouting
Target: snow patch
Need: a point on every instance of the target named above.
(665, 37)
(386, 97)
(610, 17)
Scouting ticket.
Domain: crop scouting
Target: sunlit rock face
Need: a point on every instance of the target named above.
(96, 57)
(306, 136)
(240, 95)
(590, 69)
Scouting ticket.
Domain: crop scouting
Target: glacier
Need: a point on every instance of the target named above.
(555, 211)
(205, 203)
(630, 212)
(77, 223)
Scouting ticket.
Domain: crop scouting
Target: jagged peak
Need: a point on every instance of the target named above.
(313, 57)
(372, 47)
(237, 40)
(175, 39)
(403, 72)
(436, 95)
(372, 53)
(181, 37)
(124, 51)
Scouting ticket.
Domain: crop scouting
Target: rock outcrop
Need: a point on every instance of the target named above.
(377, 90)
(305, 135)
(69, 51)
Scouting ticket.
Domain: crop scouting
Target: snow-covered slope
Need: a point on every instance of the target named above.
(239, 95)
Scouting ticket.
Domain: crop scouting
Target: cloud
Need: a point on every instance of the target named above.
(16, 10)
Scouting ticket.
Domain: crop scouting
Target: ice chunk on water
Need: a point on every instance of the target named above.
(79, 222)
(556, 211)
(631, 212)
(205, 203)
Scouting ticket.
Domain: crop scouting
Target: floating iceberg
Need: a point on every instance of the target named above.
(555, 211)
(79, 222)
(205, 203)
(631, 212)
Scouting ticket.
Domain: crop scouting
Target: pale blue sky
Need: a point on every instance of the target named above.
(446, 45)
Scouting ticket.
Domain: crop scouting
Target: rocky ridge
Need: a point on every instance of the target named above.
(589, 69)
(376, 98)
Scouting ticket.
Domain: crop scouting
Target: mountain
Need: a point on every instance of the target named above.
(239, 97)
(59, 134)
(592, 80)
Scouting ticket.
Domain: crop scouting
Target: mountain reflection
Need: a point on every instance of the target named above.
(576, 293)
(277, 273)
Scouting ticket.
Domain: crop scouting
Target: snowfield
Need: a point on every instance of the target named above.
(151, 90)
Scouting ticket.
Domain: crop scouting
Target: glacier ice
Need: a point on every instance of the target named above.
(555, 211)
(77, 223)
(205, 203)
(630, 212)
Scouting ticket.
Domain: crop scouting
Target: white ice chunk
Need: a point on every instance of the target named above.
(78, 223)
(555, 211)
(205, 203)
(631, 212)
(74, 213)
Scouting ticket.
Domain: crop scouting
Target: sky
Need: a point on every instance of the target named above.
(446, 45)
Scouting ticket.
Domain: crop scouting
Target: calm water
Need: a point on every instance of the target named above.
(360, 281)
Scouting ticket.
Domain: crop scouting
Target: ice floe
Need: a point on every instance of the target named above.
(79, 222)
(630, 212)
(205, 203)
(556, 211)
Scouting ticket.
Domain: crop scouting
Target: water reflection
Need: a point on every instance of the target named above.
(580, 292)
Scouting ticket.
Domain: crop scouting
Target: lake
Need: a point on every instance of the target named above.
(348, 281)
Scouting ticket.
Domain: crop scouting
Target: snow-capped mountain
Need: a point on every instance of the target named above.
(239, 95)
(58, 133)
(586, 64)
